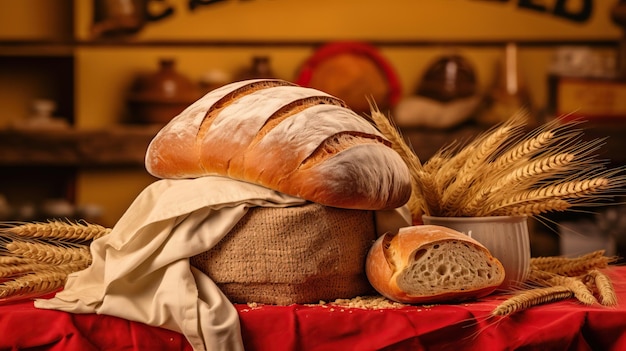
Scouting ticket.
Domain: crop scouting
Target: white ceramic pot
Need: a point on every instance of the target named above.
(506, 237)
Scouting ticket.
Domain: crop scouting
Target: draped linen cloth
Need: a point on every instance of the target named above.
(141, 270)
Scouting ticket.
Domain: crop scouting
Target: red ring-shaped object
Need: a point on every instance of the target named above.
(361, 48)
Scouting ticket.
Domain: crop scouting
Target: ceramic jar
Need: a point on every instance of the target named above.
(158, 97)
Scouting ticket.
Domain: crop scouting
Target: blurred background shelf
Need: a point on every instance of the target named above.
(112, 147)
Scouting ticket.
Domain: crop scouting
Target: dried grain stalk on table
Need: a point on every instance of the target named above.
(36, 258)
(559, 278)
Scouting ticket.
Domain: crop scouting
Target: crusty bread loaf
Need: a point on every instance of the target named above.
(428, 263)
(296, 140)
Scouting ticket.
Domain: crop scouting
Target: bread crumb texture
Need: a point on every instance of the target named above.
(446, 267)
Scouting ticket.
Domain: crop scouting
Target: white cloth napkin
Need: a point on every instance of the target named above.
(141, 270)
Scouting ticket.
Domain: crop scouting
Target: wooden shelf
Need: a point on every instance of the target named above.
(66, 47)
(36, 48)
(117, 146)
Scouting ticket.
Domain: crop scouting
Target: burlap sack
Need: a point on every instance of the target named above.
(300, 254)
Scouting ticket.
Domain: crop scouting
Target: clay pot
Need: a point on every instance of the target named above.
(158, 97)
(448, 78)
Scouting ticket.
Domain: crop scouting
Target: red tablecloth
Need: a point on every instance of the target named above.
(564, 325)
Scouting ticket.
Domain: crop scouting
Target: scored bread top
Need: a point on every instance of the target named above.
(296, 140)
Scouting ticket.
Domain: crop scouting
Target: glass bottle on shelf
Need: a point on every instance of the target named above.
(260, 67)
(42, 117)
(509, 93)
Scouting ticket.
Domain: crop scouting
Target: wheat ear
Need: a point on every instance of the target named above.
(531, 298)
(56, 229)
(531, 208)
(39, 282)
(535, 142)
(49, 253)
(571, 266)
(574, 284)
(390, 131)
(568, 190)
(7, 271)
(524, 150)
(435, 162)
(536, 170)
(603, 285)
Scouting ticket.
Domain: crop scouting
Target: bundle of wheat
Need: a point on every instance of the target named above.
(36, 258)
(506, 171)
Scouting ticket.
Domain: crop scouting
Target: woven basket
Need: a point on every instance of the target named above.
(300, 254)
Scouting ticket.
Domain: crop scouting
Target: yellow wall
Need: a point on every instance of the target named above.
(35, 19)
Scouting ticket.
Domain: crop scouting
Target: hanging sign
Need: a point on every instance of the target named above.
(399, 20)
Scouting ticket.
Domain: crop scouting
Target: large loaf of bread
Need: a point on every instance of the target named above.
(429, 263)
(296, 140)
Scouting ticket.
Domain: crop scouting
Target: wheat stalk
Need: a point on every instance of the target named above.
(568, 190)
(537, 141)
(41, 280)
(531, 298)
(36, 283)
(449, 169)
(524, 150)
(419, 184)
(56, 229)
(48, 253)
(428, 186)
(580, 276)
(535, 170)
(7, 271)
(555, 287)
(574, 284)
(434, 163)
(571, 266)
(454, 160)
(604, 287)
(530, 208)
